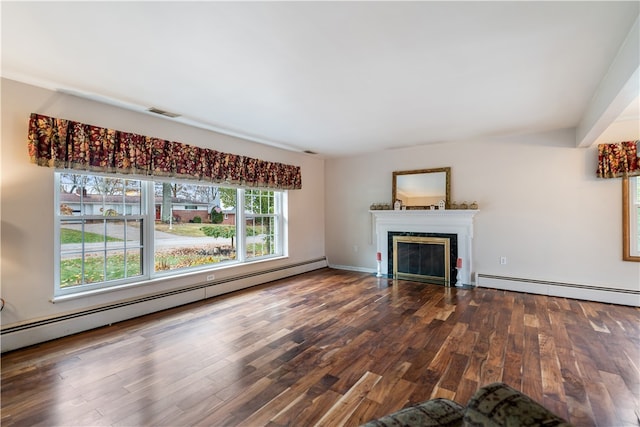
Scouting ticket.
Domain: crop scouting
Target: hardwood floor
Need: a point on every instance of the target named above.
(331, 348)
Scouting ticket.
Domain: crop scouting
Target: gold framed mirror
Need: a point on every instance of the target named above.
(422, 188)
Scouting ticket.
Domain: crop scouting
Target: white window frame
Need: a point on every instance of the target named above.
(278, 199)
(60, 219)
(148, 243)
(630, 213)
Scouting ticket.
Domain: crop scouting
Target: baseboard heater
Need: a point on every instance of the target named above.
(560, 289)
(113, 306)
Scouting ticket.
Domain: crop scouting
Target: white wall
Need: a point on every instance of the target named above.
(27, 250)
(541, 206)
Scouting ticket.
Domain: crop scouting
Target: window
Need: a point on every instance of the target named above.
(631, 218)
(113, 231)
(100, 229)
(263, 227)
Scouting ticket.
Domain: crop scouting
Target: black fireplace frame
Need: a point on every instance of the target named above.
(453, 251)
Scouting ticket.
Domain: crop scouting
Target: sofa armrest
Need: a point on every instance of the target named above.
(498, 405)
(432, 413)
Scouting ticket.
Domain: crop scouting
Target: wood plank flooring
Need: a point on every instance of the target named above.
(330, 348)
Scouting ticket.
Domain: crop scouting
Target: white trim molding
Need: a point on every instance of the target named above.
(458, 222)
(560, 289)
(31, 332)
(352, 268)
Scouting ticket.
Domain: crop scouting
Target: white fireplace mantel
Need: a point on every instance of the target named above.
(459, 222)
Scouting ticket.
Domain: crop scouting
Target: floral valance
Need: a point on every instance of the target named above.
(618, 160)
(67, 144)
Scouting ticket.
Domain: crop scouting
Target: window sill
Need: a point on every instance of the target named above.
(160, 280)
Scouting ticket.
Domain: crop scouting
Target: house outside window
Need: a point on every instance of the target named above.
(99, 229)
(112, 231)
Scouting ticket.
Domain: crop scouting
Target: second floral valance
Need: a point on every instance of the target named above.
(618, 160)
(67, 144)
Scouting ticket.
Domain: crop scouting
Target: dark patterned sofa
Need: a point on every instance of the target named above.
(492, 405)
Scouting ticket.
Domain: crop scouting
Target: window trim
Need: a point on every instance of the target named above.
(90, 288)
(279, 244)
(629, 191)
(150, 276)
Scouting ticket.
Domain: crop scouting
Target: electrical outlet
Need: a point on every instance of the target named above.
(355, 248)
(211, 276)
(503, 260)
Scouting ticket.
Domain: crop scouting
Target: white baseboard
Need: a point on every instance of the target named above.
(559, 289)
(45, 329)
(352, 268)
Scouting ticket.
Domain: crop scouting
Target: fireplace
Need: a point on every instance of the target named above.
(423, 256)
(456, 225)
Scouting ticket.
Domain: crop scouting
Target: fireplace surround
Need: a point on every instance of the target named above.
(423, 256)
(429, 222)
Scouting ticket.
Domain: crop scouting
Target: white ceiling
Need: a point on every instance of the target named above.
(336, 78)
(626, 127)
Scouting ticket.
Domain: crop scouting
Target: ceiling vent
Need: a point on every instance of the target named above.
(163, 113)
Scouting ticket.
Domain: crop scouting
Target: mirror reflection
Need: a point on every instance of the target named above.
(423, 188)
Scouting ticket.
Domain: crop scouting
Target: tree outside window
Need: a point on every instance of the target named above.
(111, 231)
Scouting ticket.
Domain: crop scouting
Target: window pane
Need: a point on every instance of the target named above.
(187, 234)
(121, 234)
(261, 212)
(101, 228)
(70, 269)
(71, 238)
(133, 197)
(94, 267)
(97, 242)
(123, 264)
(260, 239)
(134, 262)
(116, 233)
(259, 202)
(70, 193)
(133, 231)
(115, 230)
(115, 265)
